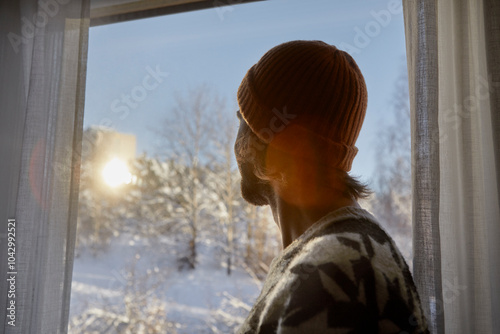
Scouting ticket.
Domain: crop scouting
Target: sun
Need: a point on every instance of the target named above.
(116, 173)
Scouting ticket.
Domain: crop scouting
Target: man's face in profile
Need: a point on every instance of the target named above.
(253, 189)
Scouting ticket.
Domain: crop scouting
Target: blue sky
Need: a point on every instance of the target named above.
(217, 46)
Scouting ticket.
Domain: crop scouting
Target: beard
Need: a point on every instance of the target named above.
(253, 189)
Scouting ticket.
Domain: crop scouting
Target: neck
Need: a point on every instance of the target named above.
(294, 219)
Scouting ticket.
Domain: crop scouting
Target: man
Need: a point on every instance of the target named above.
(301, 109)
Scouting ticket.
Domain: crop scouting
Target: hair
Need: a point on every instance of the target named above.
(252, 147)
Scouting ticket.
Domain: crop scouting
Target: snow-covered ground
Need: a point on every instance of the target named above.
(134, 280)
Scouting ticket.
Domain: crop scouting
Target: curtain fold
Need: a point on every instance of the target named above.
(453, 51)
(43, 53)
(422, 43)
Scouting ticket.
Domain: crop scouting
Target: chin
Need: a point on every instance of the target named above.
(253, 195)
(254, 190)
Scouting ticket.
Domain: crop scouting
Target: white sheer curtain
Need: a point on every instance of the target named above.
(453, 49)
(43, 50)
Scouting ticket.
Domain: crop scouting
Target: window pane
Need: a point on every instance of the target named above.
(164, 237)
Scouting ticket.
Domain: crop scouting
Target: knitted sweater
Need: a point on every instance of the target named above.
(343, 275)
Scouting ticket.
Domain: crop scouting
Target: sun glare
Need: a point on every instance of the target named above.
(116, 173)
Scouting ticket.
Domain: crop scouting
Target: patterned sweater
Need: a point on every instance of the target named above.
(343, 275)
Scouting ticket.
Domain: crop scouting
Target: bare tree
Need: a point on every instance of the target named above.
(188, 139)
(262, 242)
(204, 183)
(392, 203)
(224, 183)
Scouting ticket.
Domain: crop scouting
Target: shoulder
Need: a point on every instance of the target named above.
(350, 275)
(352, 245)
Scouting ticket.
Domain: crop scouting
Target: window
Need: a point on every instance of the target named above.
(164, 238)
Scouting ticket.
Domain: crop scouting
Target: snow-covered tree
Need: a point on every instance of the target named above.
(223, 184)
(140, 311)
(187, 138)
(151, 199)
(262, 240)
(392, 202)
(99, 209)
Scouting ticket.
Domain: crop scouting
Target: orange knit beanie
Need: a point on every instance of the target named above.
(307, 99)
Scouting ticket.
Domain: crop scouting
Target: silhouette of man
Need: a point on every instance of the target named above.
(301, 110)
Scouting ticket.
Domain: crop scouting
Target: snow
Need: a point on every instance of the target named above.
(203, 300)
